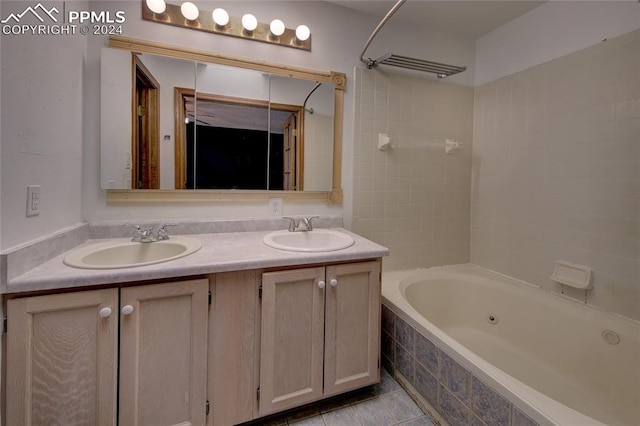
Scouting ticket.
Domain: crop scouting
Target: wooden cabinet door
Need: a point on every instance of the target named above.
(292, 335)
(232, 347)
(352, 327)
(62, 359)
(163, 350)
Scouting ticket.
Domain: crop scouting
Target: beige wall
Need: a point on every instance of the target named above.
(556, 172)
(41, 134)
(414, 199)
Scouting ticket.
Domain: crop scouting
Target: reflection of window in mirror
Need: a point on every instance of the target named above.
(237, 143)
(145, 140)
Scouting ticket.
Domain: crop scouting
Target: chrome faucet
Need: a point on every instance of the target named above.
(141, 235)
(144, 235)
(300, 224)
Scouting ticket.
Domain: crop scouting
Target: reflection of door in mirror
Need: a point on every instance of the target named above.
(289, 154)
(314, 158)
(227, 143)
(145, 142)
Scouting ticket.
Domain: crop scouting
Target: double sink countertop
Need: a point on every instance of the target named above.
(220, 252)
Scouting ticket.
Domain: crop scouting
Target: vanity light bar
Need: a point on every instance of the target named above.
(246, 27)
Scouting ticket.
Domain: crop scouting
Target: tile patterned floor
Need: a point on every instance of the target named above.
(385, 404)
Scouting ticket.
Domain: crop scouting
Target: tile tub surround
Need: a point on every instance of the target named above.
(224, 250)
(414, 198)
(447, 387)
(556, 173)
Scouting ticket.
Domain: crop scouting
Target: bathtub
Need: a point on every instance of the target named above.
(474, 343)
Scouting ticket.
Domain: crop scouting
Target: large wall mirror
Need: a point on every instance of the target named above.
(185, 125)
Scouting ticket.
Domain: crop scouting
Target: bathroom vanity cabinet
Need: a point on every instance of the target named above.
(63, 356)
(220, 350)
(319, 333)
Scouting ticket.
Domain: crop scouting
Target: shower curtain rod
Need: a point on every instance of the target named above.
(370, 62)
(304, 105)
(439, 69)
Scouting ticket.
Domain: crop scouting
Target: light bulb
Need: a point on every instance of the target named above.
(303, 32)
(220, 17)
(157, 6)
(249, 22)
(189, 11)
(277, 27)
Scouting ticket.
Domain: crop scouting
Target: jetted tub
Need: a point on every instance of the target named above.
(554, 360)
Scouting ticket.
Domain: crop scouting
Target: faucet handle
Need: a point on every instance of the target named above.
(292, 223)
(138, 229)
(308, 221)
(140, 234)
(163, 234)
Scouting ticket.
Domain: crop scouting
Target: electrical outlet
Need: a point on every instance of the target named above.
(275, 207)
(33, 200)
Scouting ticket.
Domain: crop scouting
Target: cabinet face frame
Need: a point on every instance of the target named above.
(66, 316)
(233, 347)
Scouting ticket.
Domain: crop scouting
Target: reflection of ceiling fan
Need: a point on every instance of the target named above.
(191, 117)
(219, 114)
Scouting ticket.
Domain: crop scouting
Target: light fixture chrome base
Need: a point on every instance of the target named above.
(173, 16)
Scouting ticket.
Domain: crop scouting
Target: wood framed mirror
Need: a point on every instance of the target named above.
(296, 189)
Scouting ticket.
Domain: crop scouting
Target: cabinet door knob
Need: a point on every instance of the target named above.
(127, 310)
(333, 282)
(321, 284)
(105, 312)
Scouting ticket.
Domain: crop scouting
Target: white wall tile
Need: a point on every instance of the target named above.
(415, 199)
(565, 184)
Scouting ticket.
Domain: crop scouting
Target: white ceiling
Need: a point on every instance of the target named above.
(469, 18)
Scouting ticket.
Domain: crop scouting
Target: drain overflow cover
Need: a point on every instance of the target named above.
(611, 337)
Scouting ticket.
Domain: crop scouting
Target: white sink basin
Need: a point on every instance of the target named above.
(124, 253)
(309, 241)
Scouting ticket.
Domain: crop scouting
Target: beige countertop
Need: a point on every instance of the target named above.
(220, 252)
